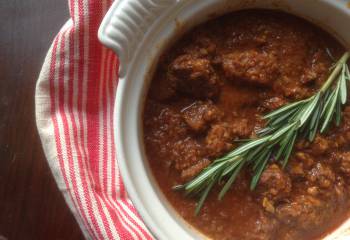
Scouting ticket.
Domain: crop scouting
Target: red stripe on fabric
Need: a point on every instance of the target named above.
(127, 221)
(142, 228)
(60, 80)
(85, 180)
(78, 26)
(139, 233)
(104, 109)
(71, 5)
(109, 149)
(102, 128)
(70, 93)
(81, 76)
(70, 113)
(53, 114)
(69, 141)
(56, 128)
(123, 194)
(91, 109)
(92, 105)
(120, 216)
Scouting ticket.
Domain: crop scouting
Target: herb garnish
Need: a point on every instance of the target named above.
(299, 119)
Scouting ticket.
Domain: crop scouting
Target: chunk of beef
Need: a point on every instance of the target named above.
(291, 88)
(305, 158)
(186, 153)
(302, 144)
(340, 189)
(201, 45)
(323, 182)
(194, 76)
(340, 139)
(320, 145)
(344, 159)
(303, 211)
(200, 114)
(241, 128)
(316, 69)
(163, 88)
(162, 130)
(341, 134)
(219, 139)
(268, 205)
(300, 164)
(274, 183)
(251, 66)
(190, 172)
(172, 125)
(295, 168)
(274, 103)
(321, 175)
(313, 191)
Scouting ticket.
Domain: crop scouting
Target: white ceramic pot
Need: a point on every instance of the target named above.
(138, 31)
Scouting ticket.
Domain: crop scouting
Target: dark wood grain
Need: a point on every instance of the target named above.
(31, 207)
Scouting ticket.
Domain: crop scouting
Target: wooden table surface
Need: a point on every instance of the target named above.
(31, 207)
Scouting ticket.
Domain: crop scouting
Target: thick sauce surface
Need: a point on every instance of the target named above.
(211, 88)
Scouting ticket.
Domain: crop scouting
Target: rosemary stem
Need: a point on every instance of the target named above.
(335, 72)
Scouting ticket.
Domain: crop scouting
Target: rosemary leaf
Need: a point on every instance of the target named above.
(314, 124)
(310, 108)
(338, 113)
(230, 180)
(248, 146)
(282, 110)
(347, 72)
(329, 112)
(258, 171)
(281, 118)
(254, 154)
(203, 197)
(328, 101)
(289, 149)
(280, 132)
(284, 144)
(228, 170)
(260, 158)
(343, 89)
(208, 172)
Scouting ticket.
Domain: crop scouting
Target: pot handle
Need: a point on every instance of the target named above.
(125, 24)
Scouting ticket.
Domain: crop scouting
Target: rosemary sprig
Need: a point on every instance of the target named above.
(276, 140)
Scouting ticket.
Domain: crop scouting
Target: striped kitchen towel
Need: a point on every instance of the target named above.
(74, 101)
